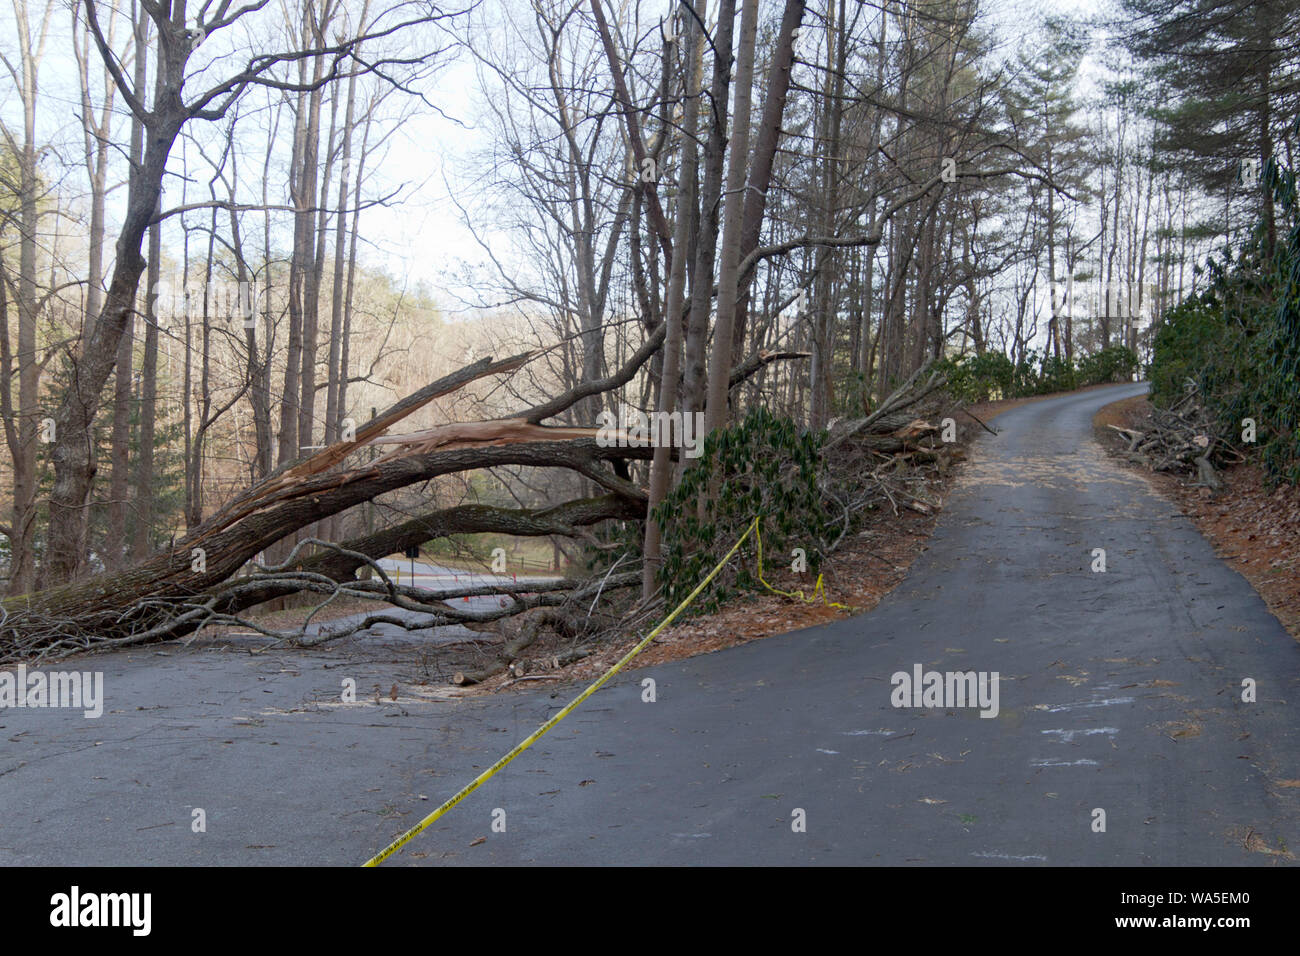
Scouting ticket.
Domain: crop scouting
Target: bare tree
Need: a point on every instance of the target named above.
(21, 420)
(73, 452)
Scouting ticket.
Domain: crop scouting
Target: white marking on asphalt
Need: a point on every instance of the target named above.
(865, 733)
(822, 750)
(1083, 704)
(1064, 763)
(1008, 856)
(1068, 735)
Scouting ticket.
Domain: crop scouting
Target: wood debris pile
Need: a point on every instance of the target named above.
(891, 458)
(1183, 439)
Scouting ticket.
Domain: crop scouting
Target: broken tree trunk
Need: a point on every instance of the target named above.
(135, 601)
(189, 583)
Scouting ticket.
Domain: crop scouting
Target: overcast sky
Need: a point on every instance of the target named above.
(424, 238)
(420, 239)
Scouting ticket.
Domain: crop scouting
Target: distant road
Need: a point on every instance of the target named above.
(437, 577)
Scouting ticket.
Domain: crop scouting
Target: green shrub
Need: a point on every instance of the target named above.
(1114, 364)
(1239, 340)
(761, 465)
(1056, 375)
(979, 378)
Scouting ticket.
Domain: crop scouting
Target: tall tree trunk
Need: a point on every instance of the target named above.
(302, 193)
(97, 143)
(119, 482)
(73, 454)
(143, 479)
(823, 319)
(869, 355)
(23, 443)
(312, 281)
(715, 408)
(661, 467)
(766, 143)
(695, 350)
(332, 413)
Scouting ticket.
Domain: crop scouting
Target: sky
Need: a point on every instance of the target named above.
(425, 237)
(430, 157)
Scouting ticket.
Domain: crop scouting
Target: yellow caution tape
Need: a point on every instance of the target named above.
(819, 588)
(541, 731)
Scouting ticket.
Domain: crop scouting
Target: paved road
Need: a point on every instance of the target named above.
(1118, 691)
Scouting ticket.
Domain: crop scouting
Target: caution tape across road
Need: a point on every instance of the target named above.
(545, 728)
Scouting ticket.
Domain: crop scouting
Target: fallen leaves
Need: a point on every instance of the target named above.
(1180, 728)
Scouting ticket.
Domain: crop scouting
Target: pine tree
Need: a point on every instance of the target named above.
(1043, 106)
(1224, 82)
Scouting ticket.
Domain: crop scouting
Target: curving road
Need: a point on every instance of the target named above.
(1118, 691)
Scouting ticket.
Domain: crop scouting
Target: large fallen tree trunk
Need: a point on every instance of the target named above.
(190, 584)
(339, 564)
(132, 602)
(142, 600)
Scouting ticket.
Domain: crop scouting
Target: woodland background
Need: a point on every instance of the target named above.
(719, 206)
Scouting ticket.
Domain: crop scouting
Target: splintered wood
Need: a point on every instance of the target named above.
(891, 456)
(1183, 439)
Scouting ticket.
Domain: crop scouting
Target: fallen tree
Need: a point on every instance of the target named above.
(196, 581)
(209, 578)
(891, 455)
(190, 583)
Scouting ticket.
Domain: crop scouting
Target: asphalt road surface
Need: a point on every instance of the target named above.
(1119, 691)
